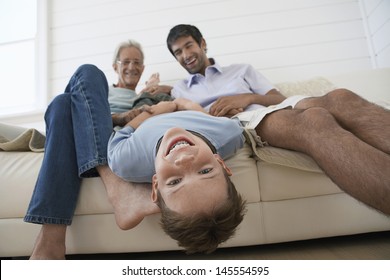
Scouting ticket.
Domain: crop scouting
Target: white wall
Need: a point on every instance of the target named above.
(376, 17)
(285, 40)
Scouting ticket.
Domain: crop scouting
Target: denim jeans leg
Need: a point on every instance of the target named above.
(78, 128)
(58, 184)
(89, 92)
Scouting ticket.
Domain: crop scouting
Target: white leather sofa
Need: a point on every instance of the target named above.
(289, 197)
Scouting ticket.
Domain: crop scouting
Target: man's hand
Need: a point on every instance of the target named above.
(231, 105)
(233, 112)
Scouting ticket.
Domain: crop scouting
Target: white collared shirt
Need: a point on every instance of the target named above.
(222, 81)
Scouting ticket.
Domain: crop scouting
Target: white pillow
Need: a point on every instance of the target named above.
(317, 86)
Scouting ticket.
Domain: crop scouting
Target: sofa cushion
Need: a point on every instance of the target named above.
(244, 169)
(287, 158)
(18, 174)
(278, 182)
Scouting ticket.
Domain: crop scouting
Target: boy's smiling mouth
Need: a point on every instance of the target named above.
(177, 144)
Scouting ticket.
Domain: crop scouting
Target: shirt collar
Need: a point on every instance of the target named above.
(214, 67)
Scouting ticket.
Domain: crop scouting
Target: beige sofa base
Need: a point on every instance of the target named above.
(268, 222)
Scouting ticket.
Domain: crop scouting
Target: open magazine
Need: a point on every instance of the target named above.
(250, 119)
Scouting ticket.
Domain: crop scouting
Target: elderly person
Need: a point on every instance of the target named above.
(79, 123)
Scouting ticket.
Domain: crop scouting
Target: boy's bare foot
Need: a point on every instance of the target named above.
(154, 80)
(151, 85)
(131, 201)
(50, 243)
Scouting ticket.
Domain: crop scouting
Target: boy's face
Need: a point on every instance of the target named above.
(188, 175)
(190, 55)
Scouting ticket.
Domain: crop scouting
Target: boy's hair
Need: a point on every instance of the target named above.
(127, 44)
(202, 233)
(183, 30)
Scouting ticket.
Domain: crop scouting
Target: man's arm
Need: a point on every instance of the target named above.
(224, 105)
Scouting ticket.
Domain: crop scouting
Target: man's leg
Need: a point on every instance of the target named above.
(356, 167)
(366, 120)
(131, 201)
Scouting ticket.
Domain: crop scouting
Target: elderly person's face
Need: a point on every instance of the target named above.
(129, 68)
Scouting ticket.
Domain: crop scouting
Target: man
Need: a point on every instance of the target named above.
(347, 136)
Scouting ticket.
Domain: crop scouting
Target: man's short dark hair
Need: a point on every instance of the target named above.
(183, 30)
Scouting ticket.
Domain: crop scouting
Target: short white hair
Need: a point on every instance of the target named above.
(127, 44)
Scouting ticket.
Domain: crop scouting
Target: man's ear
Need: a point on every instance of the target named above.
(153, 195)
(115, 66)
(222, 162)
(203, 45)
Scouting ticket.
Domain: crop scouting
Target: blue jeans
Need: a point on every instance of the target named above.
(78, 127)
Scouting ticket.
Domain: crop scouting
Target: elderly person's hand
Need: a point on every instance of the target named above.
(121, 119)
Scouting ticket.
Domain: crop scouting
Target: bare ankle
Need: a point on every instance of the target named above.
(50, 243)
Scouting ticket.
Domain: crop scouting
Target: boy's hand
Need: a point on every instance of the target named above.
(186, 104)
(163, 107)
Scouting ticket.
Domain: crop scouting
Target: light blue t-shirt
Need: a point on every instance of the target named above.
(121, 99)
(222, 81)
(131, 153)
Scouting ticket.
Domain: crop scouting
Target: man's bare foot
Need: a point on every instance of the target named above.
(131, 201)
(151, 85)
(50, 243)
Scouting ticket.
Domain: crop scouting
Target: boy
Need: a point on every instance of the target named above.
(181, 153)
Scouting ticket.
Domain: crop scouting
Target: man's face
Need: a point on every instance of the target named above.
(188, 175)
(129, 68)
(190, 55)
